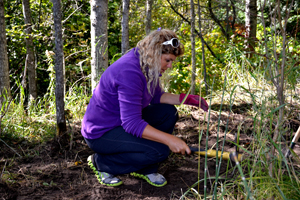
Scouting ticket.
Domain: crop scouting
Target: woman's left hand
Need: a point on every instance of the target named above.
(193, 100)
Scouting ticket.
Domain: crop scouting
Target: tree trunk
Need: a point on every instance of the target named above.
(98, 39)
(203, 50)
(4, 70)
(125, 28)
(251, 24)
(193, 47)
(30, 62)
(59, 69)
(148, 16)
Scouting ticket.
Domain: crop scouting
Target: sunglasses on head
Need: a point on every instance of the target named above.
(174, 42)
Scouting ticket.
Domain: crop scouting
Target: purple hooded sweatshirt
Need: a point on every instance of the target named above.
(119, 98)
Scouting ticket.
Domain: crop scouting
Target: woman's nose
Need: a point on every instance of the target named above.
(169, 65)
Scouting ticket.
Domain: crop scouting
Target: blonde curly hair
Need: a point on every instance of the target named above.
(151, 49)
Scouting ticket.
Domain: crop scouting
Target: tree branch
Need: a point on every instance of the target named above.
(199, 34)
(213, 16)
(234, 15)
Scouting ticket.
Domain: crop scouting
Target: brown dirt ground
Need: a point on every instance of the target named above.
(53, 171)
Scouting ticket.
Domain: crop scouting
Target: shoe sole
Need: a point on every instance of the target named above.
(147, 179)
(90, 163)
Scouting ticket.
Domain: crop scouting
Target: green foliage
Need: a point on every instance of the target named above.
(114, 30)
(182, 71)
(76, 30)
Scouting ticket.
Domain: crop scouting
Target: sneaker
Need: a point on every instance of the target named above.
(103, 177)
(154, 179)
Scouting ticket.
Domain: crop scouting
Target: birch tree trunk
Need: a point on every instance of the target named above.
(193, 47)
(4, 70)
(30, 62)
(125, 28)
(148, 21)
(250, 25)
(59, 69)
(98, 39)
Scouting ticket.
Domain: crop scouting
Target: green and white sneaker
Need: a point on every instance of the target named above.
(154, 179)
(103, 177)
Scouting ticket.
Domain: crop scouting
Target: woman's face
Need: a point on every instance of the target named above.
(166, 62)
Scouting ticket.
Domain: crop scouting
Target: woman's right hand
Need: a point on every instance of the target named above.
(177, 145)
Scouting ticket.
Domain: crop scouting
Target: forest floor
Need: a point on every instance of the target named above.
(52, 171)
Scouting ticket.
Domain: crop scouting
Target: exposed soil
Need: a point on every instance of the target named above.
(53, 171)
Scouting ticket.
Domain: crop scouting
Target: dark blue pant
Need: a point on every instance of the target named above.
(118, 152)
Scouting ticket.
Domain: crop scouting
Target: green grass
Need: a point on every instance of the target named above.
(36, 122)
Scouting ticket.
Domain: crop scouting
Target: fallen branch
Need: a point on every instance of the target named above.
(11, 148)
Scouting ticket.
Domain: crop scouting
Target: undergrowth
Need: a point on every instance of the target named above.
(35, 122)
(253, 177)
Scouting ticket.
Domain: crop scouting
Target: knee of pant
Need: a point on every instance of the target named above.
(165, 152)
(158, 154)
(172, 111)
